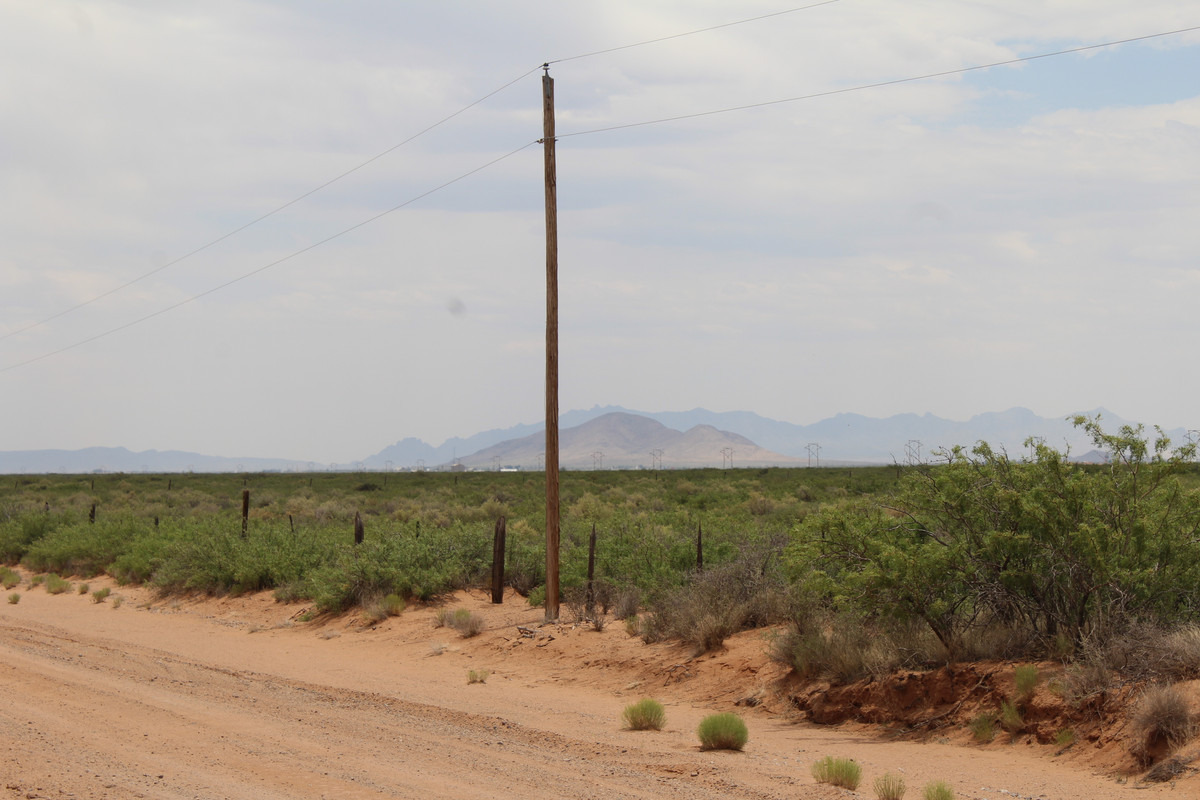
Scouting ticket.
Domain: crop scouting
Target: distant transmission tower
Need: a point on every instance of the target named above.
(912, 451)
(814, 453)
(656, 459)
(726, 457)
(598, 460)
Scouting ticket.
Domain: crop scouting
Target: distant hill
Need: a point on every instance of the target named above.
(118, 459)
(842, 439)
(620, 440)
(691, 439)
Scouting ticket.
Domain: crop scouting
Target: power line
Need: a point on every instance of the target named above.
(877, 85)
(373, 159)
(264, 267)
(690, 33)
(267, 215)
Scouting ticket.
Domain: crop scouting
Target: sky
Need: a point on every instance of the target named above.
(1022, 235)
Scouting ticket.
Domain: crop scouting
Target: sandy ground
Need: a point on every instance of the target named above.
(234, 698)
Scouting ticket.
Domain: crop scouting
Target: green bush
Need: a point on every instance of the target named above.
(983, 727)
(842, 772)
(937, 790)
(1025, 678)
(645, 715)
(889, 787)
(14, 598)
(9, 578)
(1011, 718)
(100, 595)
(724, 731)
(57, 585)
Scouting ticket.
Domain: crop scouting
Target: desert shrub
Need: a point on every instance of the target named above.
(393, 604)
(937, 790)
(843, 772)
(19, 532)
(478, 675)
(889, 787)
(983, 727)
(1025, 678)
(9, 578)
(1161, 717)
(56, 584)
(463, 620)
(719, 602)
(1064, 551)
(724, 731)
(14, 598)
(1010, 717)
(1064, 737)
(83, 548)
(100, 595)
(84, 588)
(846, 647)
(645, 715)
(627, 603)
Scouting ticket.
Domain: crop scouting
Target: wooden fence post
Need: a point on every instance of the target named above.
(699, 547)
(245, 511)
(359, 532)
(589, 607)
(92, 515)
(498, 537)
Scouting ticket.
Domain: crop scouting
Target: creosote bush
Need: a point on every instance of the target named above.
(843, 772)
(889, 787)
(645, 715)
(724, 731)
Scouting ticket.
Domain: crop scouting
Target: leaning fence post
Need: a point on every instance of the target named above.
(498, 537)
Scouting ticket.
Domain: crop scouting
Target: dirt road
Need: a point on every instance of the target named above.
(232, 699)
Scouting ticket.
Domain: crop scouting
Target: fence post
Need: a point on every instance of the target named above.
(589, 607)
(359, 532)
(498, 537)
(245, 511)
(699, 547)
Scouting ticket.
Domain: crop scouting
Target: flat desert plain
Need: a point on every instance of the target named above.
(236, 698)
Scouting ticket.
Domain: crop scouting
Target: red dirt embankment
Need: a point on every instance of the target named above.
(235, 698)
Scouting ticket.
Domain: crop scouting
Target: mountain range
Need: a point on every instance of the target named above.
(614, 437)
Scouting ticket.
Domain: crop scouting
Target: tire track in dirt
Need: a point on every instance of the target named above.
(106, 720)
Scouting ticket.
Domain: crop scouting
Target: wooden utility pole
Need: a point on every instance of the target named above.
(551, 347)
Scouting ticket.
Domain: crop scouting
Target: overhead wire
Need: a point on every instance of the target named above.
(414, 199)
(375, 158)
(265, 267)
(879, 84)
(267, 215)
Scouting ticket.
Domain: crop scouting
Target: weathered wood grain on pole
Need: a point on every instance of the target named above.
(551, 348)
(498, 537)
